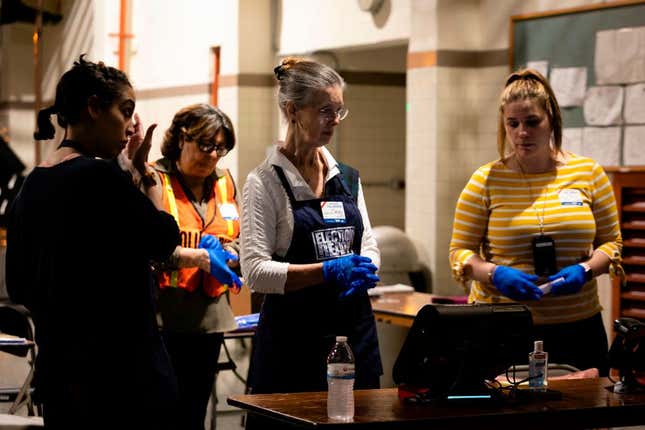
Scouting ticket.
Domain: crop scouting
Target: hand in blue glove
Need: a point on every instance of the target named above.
(364, 279)
(209, 241)
(573, 280)
(220, 270)
(350, 272)
(516, 284)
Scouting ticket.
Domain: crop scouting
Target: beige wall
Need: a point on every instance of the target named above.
(258, 116)
(309, 25)
(60, 45)
(173, 40)
(372, 139)
(257, 111)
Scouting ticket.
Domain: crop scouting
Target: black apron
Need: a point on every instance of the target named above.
(297, 330)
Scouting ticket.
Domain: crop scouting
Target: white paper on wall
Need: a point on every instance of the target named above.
(605, 62)
(540, 66)
(602, 144)
(572, 140)
(620, 56)
(631, 53)
(634, 147)
(635, 104)
(603, 105)
(569, 85)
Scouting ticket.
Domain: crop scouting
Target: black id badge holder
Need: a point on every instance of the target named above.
(543, 255)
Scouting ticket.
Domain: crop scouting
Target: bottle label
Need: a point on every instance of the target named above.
(537, 373)
(341, 371)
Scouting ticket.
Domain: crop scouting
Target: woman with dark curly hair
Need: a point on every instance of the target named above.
(194, 282)
(80, 239)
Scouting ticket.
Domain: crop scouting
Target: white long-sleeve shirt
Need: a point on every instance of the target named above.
(267, 221)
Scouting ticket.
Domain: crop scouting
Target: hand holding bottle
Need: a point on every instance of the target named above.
(573, 280)
(516, 284)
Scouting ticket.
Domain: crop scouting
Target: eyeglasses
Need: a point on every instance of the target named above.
(330, 114)
(208, 146)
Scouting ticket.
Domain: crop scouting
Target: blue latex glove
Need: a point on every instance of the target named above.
(364, 279)
(574, 279)
(516, 284)
(220, 270)
(350, 272)
(209, 241)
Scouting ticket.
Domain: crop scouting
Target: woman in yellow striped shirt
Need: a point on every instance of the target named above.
(537, 215)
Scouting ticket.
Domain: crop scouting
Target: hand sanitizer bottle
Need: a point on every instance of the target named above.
(538, 367)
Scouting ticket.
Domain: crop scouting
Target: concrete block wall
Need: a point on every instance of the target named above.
(372, 139)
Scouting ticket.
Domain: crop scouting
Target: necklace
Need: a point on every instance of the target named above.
(540, 218)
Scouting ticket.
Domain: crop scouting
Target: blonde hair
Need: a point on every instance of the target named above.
(299, 79)
(529, 84)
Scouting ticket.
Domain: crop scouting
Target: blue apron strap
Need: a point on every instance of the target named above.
(350, 180)
(285, 184)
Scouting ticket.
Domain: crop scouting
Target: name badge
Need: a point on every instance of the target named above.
(570, 197)
(333, 212)
(228, 212)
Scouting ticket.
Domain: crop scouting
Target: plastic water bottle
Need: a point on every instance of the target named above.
(538, 367)
(340, 381)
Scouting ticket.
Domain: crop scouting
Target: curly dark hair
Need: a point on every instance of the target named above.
(75, 87)
(196, 122)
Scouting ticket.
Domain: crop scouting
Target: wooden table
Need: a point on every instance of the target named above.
(585, 403)
(401, 308)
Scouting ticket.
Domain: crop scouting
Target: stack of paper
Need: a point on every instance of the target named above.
(384, 289)
(247, 321)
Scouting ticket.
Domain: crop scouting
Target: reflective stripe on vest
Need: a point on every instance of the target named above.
(175, 213)
(221, 220)
(223, 192)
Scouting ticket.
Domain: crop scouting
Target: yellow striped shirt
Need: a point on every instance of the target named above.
(498, 215)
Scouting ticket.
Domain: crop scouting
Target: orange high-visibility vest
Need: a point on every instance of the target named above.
(222, 221)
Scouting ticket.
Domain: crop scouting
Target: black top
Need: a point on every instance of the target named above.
(79, 241)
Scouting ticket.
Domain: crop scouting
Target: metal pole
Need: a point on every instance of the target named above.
(122, 31)
(38, 29)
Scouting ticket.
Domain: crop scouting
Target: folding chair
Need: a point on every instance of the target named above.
(16, 322)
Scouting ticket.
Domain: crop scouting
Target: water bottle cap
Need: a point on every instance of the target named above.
(538, 346)
(341, 338)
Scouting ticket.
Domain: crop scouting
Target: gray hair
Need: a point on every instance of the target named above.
(299, 79)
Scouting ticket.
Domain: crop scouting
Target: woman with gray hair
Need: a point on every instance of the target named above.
(307, 244)
(194, 282)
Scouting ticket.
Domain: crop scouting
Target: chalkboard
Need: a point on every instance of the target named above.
(567, 38)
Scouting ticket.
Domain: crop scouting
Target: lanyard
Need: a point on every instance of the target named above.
(540, 218)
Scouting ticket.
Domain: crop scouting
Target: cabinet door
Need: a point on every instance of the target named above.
(629, 188)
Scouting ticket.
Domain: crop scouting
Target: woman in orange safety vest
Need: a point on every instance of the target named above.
(194, 282)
